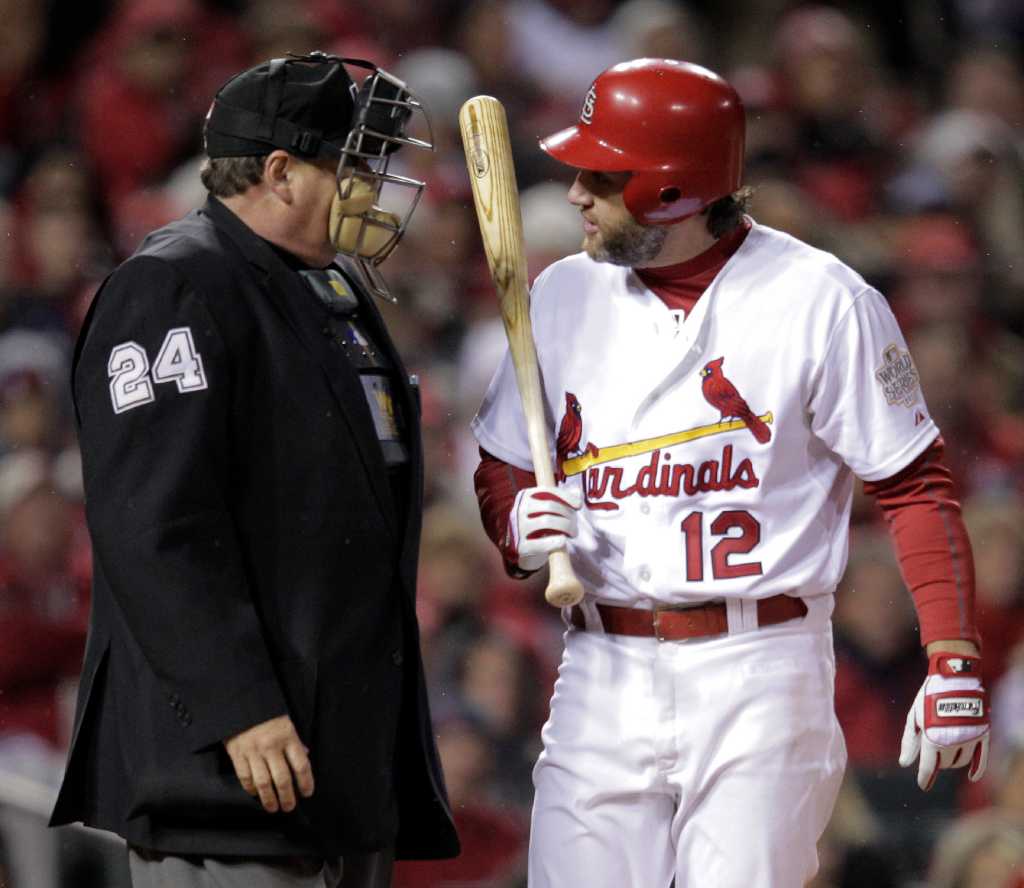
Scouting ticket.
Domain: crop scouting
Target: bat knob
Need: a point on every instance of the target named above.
(564, 589)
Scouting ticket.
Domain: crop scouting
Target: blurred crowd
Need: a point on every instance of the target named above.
(890, 134)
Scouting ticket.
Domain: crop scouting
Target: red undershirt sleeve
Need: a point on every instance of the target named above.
(931, 544)
(497, 483)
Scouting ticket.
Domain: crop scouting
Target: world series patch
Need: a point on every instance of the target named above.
(898, 377)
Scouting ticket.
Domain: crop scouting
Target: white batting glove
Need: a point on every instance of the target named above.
(949, 721)
(542, 520)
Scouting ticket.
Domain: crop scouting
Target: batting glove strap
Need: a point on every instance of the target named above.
(955, 665)
(541, 521)
(948, 725)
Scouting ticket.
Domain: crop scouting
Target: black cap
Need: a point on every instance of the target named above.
(304, 105)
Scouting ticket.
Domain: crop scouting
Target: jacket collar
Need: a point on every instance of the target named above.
(255, 249)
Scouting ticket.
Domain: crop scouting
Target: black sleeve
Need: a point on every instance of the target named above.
(156, 455)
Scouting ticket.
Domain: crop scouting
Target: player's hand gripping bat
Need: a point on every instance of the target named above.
(493, 177)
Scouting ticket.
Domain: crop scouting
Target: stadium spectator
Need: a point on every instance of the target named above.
(995, 523)
(984, 850)
(872, 653)
(43, 616)
(137, 118)
(493, 836)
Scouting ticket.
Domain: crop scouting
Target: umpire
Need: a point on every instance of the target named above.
(252, 709)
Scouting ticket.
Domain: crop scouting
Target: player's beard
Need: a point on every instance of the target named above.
(630, 243)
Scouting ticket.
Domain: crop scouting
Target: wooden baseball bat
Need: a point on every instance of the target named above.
(493, 177)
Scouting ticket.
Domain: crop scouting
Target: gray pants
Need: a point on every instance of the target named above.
(153, 870)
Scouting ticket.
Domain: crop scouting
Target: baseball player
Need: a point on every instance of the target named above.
(713, 388)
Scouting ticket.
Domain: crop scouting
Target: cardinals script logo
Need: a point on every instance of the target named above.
(661, 475)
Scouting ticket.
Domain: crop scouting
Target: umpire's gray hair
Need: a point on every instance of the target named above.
(228, 176)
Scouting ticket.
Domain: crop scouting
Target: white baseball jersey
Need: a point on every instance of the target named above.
(716, 452)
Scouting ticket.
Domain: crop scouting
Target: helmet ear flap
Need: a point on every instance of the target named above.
(652, 200)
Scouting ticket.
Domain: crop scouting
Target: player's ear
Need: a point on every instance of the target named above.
(278, 173)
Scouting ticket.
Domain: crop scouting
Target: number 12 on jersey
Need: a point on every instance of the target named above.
(721, 568)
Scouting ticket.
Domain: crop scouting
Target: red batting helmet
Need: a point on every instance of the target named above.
(677, 127)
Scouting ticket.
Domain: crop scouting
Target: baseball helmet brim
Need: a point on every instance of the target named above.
(576, 147)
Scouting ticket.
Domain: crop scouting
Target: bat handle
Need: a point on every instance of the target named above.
(563, 590)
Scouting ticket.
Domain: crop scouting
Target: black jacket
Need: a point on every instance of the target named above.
(248, 563)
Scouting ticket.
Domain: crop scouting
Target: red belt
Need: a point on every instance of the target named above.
(677, 623)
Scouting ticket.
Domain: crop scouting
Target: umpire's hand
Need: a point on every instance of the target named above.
(266, 756)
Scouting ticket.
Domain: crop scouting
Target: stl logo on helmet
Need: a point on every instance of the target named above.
(587, 114)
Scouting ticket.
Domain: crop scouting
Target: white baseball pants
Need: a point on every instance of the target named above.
(715, 762)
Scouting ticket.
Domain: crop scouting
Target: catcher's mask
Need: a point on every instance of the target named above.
(310, 106)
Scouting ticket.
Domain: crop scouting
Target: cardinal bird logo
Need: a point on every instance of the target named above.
(570, 433)
(722, 395)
